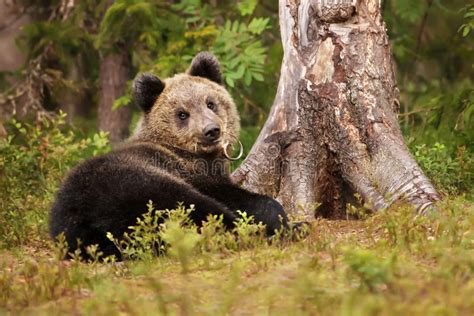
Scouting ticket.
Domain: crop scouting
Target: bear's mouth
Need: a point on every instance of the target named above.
(209, 144)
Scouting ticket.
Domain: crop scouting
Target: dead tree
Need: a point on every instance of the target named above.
(333, 129)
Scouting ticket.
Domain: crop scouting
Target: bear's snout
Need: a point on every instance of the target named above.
(211, 132)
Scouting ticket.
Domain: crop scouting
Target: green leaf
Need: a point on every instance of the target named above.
(122, 101)
(469, 14)
(229, 81)
(240, 71)
(247, 7)
(466, 30)
(258, 25)
(258, 76)
(233, 63)
(247, 78)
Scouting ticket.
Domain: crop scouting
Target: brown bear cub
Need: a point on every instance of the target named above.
(178, 154)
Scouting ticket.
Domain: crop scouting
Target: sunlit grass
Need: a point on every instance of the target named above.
(391, 263)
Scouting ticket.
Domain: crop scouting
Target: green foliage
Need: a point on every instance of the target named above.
(125, 21)
(171, 232)
(441, 113)
(247, 231)
(435, 70)
(369, 268)
(235, 42)
(247, 7)
(430, 42)
(410, 11)
(166, 37)
(242, 56)
(143, 241)
(433, 237)
(182, 241)
(62, 39)
(468, 26)
(157, 233)
(362, 267)
(450, 174)
(33, 160)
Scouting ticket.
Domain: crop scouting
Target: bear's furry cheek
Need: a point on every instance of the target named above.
(233, 128)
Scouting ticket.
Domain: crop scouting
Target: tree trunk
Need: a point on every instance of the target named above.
(114, 73)
(75, 101)
(333, 129)
(11, 23)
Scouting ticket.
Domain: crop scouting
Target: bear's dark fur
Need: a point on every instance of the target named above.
(176, 155)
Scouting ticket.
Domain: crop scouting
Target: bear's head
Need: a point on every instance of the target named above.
(190, 111)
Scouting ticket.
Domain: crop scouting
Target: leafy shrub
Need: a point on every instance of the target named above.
(33, 160)
(171, 232)
(153, 231)
(450, 174)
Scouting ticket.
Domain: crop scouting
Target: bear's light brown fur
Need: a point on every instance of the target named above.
(191, 94)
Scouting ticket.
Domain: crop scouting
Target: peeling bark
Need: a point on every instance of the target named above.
(333, 129)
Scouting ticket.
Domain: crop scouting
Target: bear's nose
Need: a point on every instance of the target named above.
(212, 132)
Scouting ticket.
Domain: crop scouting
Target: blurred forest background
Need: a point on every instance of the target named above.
(80, 57)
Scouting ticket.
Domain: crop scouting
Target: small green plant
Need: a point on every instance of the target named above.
(248, 232)
(144, 240)
(215, 238)
(181, 241)
(369, 268)
(361, 210)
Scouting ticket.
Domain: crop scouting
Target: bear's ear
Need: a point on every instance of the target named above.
(207, 66)
(146, 89)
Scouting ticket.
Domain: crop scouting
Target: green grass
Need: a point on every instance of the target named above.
(391, 263)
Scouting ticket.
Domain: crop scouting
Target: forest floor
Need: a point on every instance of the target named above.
(390, 263)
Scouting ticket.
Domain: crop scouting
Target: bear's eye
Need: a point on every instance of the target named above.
(182, 115)
(211, 105)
